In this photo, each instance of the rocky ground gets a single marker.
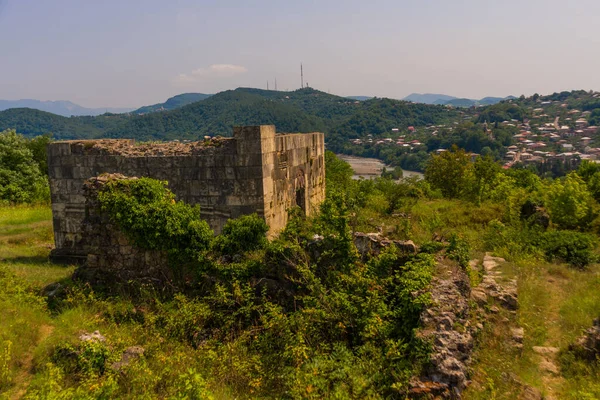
(453, 322)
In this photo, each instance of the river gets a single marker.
(370, 168)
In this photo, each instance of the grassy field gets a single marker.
(25, 242)
(31, 330)
(556, 303)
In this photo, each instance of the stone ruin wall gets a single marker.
(256, 171)
(111, 257)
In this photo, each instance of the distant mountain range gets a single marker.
(69, 109)
(60, 107)
(443, 99)
(174, 102)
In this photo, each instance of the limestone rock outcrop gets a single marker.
(446, 324)
(371, 244)
(588, 345)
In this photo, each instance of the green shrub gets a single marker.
(411, 296)
(513, 241)
(183, 318)
(459, 250)
(86, 358)
(147, 212)
(192, 386)
(431, 247)
(21, 180)
(570, 203)
(575, 248)
(242, 234)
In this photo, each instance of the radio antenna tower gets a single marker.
(275, 84)
(301, 77)
(267, 85)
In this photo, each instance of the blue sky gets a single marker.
(128, 53)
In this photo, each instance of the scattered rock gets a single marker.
(588, 345)
(505, 294)
(549, 366)
(130, 354)
(131, 149)
(446, 325)
(530, 393)
(517, 334)
(429, 389)
(54, 291)
(479, 296)
(96, 336)
(546, 351)
(508, 299)
(372, 244)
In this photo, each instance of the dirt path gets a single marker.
(23, 378)
(546, 355)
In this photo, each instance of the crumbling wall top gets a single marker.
(128, 148)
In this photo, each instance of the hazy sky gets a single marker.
(128, 53)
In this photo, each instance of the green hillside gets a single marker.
(173, 102)
(303, 110)
(31, 122)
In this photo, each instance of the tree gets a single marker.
(487, 151)
(449, 171)
(485, 171)
(38, 145)
(569, 202)
(594, 119)
(338, 173)
(21, 180)
(587, 169)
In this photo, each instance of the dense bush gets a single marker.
(147, 212)
(459, 250)
(569, 202)
(292, 305)
(21, 179)
(86, 358)
(575, 248)
(243, 234)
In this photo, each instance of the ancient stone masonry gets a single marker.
(111, 256)
(255, 171)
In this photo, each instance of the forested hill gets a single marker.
(31, 122)
(303, 110)
(173, 102)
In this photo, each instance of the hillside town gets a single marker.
(553, 132)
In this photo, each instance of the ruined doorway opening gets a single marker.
(301, 200)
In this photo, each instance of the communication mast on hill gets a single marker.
(301, 77)
(275, 84)
(267, 85)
